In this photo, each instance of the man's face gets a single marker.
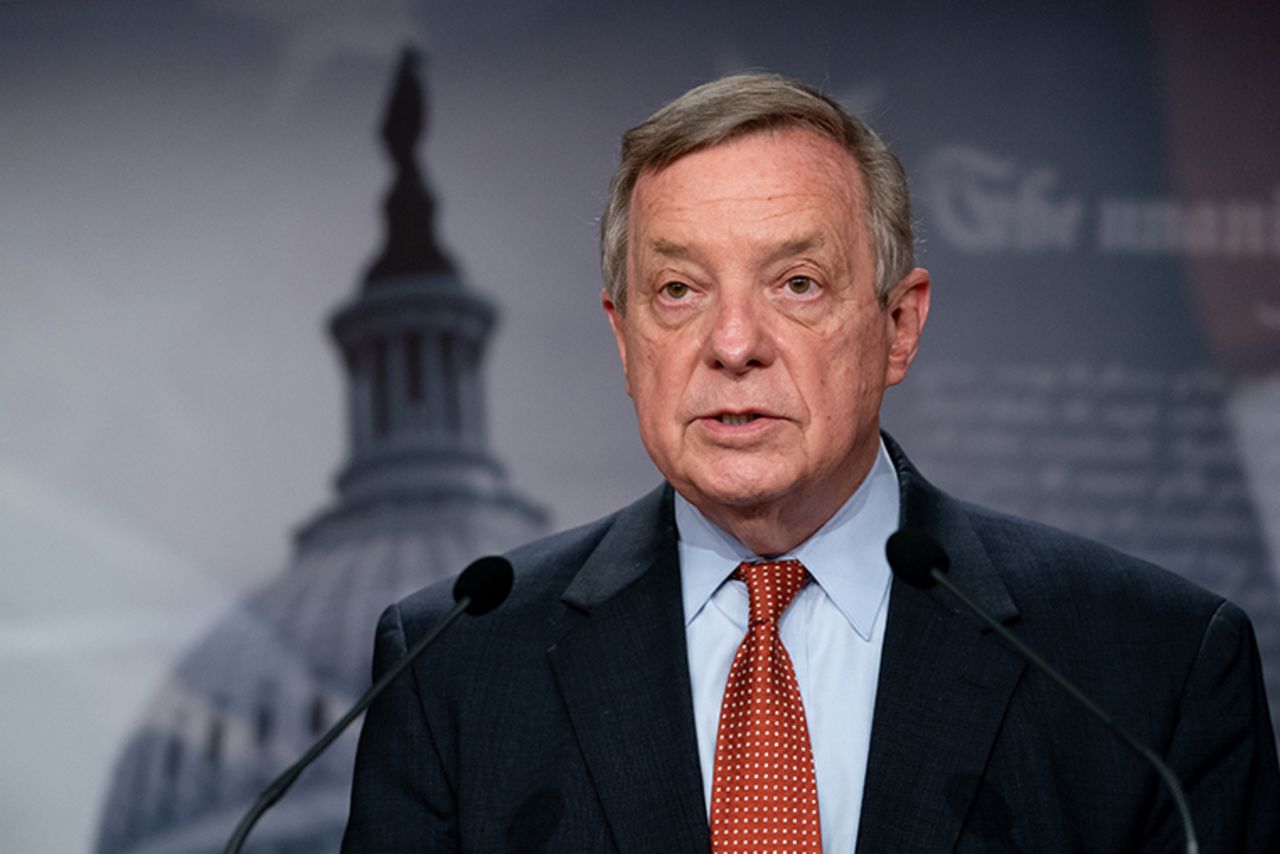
(755, 350)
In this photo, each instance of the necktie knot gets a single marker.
(771, 585)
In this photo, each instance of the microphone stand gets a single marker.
(1179, 797)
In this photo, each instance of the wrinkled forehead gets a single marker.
(769, 184)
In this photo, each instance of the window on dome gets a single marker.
(172, 758)
(213, 743)
(381, 398)
(413, 365)
(452, 404)
(318, 714)
(265, 724)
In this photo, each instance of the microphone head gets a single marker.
(912, 554)
(487, 581)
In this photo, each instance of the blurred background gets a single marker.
(240, 411)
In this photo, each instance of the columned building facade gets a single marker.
(419, 496)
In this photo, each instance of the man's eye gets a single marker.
(675, 290)
(800, 285)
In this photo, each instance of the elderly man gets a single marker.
(727, 664)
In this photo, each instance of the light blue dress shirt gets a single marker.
(833, 631)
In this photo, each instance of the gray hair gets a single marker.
(733, 107)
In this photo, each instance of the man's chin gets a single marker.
(744, 497)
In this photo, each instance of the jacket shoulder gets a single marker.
(544, 568)
(1046, 571)
(1040, 562)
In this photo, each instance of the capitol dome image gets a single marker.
(419, 497)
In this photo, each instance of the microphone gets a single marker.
(480, 588)
(484, 585)
(921, 562)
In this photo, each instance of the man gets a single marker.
(726, 664)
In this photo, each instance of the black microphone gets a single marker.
(480, 588)
(920, 561)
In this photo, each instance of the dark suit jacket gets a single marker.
(562, 722)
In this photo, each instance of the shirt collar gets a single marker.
(845, 556)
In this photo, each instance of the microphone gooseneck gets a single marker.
(921, 562)
(480, 588)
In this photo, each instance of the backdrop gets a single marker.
(188, 189)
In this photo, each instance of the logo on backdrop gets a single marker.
(984, 202)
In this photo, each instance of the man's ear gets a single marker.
(906, 312)
(617, 322)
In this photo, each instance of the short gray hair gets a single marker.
(738, 105)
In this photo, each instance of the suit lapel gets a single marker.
(623, 673)
(943, 689)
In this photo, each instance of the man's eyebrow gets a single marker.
(796, 246)
(669, 249)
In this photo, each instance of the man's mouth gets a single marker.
(736, 420)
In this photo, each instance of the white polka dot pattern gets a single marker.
(764, 796)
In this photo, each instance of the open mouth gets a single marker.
(736, 420)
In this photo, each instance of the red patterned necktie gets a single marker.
(764, 796)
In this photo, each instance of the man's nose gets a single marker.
(740, 338)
